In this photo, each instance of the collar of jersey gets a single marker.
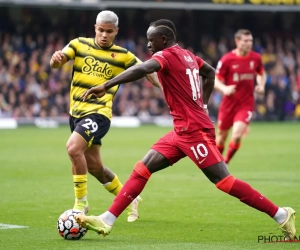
(103, 48)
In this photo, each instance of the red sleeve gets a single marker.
(222, 69)
(260, 67)
(199, 61)
(161, 59)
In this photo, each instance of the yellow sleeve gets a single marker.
(130, 60)
(70, 49)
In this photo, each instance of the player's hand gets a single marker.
(259, 89)
(58, 56)
(206, 111)
(229, 90)
(97, 92)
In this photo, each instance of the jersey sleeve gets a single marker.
(260, 67)
(199, 61)
(161, 59)
(70, 49)
(131, 60)
(222, 69)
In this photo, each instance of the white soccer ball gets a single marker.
(67, 226)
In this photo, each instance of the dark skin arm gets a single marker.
(132, 74)
(208, 74)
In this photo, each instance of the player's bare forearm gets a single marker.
(153, 78)
(134, 73)
(261, 79)
(219, 85)
(208, 74)
(208, 86)
(58, 59)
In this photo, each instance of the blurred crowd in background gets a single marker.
(29, 37)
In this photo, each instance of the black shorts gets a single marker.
(92, 127)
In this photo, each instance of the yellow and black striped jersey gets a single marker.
(94, 66)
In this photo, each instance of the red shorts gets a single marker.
(226, 119)
(199, 146)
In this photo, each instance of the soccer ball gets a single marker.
(67, 226)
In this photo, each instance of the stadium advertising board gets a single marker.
(250, 2)
(217, 5)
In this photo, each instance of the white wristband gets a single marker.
(205, 106)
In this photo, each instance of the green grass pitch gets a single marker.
(181, 208)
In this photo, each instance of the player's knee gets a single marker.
(73, 150)
(226, 183)
(142, 169)
(236, 137)
(221, 137)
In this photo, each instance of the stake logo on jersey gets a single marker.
(93, 66)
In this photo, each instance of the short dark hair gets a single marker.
(241, 32)
(166, 27)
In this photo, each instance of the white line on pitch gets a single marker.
(10, 226)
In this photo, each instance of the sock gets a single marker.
(108, 218)
(280, 216)
(247, 195)
(114, 186)
(80, 187)
(233, 147)
(131, 189)
(221, 148)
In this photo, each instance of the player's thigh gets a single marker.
(92, 128)
(76, 143)
(243, 115)
(200, 147)
(241, 121)
(225, 120)
(167, 147)
(155, 161)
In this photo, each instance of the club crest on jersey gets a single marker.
(251, 65)
(113, 55)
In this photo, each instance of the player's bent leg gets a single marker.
(76, 146)
(285, 217)
(221, 139)
(103, 223)
(108, 179)
(238, 130)
(152, 162)
(131, 189)
(95, 166)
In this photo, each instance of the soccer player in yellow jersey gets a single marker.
(96, 60)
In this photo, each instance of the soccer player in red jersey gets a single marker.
(235, 78)
(193, 135)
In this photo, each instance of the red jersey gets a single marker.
(179, 77)
(240, 71)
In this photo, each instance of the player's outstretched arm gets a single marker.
(153, 78)
(132, 74)
(58, 59)
(208, 74)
